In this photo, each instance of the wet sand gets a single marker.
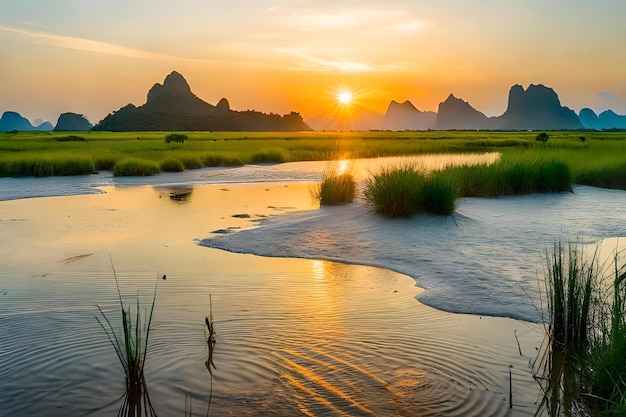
(294, 336)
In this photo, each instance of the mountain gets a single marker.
(456, 114)
(11, 120)
(405, 116)
(72, 122)
(536, 108)
(606, 120)
(173, 106)
(44, 126)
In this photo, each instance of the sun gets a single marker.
(344, 97)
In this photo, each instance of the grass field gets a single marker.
(593, 158)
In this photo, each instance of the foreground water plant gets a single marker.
(336, 187)
(581, 364)
(131, 348)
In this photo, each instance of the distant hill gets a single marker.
(456, 114)
(536, 108)
(606, 120)
(72, 122)
(44, 126)
(172, 106)
(11, 120)
(405, 116)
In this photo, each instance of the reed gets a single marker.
(571, 281)
(438, 195)
(171, 165)
(335, 188)
(395, 192)
(135, 167)
(269, 156)
(605, 376)
(513, 174)
(131, 348)
(46, 166)
(582, 362)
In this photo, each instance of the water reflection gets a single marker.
(178, 194)
(295, 335)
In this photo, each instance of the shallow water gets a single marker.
(294, 336)
(487, 258)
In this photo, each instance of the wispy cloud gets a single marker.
(87, 45)
(608, 95)
(371, 19)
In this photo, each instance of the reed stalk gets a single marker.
(131, 348)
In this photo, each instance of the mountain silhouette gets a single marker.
(11, 120)
(72, 122)
(405, 116)
(172, 106)
(536, 108)
(606, 120)
(456, 114)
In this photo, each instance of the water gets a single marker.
(486, 259)
(294, 336)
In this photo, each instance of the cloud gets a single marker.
(87, 45)
(607, 95)
(371, 19)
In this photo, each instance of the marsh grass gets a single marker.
(571, 281)
(54, 165)
(395, 191)
(135, 167)
(336, 187)
(274, 155)
(604, 175)
(171, 165)
(406, 190)
(438, 195)
(581, 364)
(598, 161)
(512, 175)
(131, 348)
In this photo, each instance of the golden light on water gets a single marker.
(342, 166)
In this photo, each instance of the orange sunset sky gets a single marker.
(93, 57)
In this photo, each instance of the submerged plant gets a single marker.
(131, 348)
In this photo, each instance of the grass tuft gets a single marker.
(335, 188)
(171, 165)
(135, 167)
(395, 192)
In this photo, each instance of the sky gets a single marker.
(94, 57)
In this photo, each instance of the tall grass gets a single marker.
(335, 188)
(395, 192)
(582, 362)
(171, 165)
(512, 175)
(406, 190)
(439, 195)
(269, 156)
(131, 348)
(41, 166)
(135, 167)
(571, 280)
